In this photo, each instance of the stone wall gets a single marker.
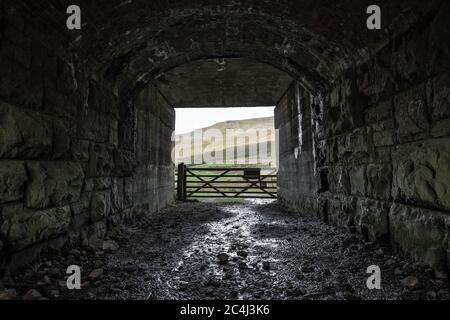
(69, 166)
(382, 145)
(297, 187)
(154, 173)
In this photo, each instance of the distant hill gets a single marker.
(249, 134)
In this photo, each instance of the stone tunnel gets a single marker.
(86, 116)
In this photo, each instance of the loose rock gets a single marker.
(223, 258)
(411, 282)
(242, 254)
(32, 294)
(110, 245)
(307, 269)
(96, 273)
(9, 294)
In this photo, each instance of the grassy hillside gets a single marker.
(249, 134)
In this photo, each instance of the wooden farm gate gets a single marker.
(224, 182)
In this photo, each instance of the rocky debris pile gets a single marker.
(46, 278)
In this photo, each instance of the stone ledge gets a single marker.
(12, 181)
(420, 233)
(29, 227)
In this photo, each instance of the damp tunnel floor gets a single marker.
(246, 250)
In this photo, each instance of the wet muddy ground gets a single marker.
(247, 250)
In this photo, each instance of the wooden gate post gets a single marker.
(181, 182)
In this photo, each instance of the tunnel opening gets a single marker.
(220, 82)
(226, 153)
(87, 117)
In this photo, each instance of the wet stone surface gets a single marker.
(246, 250)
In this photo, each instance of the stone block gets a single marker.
(354, 147)
(441, 128)
(24, 134)
(80, 150)
(358, 180)
(101, 161)
(61, 140)
(123, 217)
(382, 154)
(53, 184)
(421, 173)
(117, 192)
(411, 114)
(128, 192)
(9, 210)
(167, 113)
(438, 97)
(100, 205)
(347, 106)
(94, 234)
(30, 227)
(12, 181)
(371, 219)
(341, 211)
(66, 81)
(16, 77)
(79, 222)
(383, 111)
(374, 79)
(420, 233)
(384, 138)
(95, 184)
(339, 181)
(114, 133)
(93, 127)
(405, 62)
(166, 177)
(61, 105)
(379, 179)
(124, 162)
(82, 206)
(166, 196)
(101, 98)
(334, 146)
(383, 125)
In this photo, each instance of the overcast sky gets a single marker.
(188, 119)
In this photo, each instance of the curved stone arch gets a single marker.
(185, 36)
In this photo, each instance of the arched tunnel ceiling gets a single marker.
(228, 82)
(132, 42)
